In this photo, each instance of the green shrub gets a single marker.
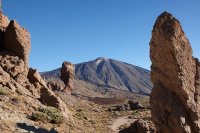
(49, 114)
(4, 91)
(39, 116)
(16, 100)
(135, 112)
(81, 115)
(92, 122)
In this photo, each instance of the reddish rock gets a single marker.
(140, 126)
(4, 77)
(55, 85)
(175, 75)
(12, 64)
(35, 77)
(47, 97)
(4, 21)
(17, 40)
(67, 76)
(15, 73)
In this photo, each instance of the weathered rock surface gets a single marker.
(55, 85)
(34, 77)
(67, 76)
(17, 40)
(15, 74)
(134, 105)
(4, 21)
(175, 75)
(139, 126)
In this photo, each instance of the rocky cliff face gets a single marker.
(15, 74)
(175, 75)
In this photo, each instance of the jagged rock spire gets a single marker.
(175, 73)
(67, 76)
(4, 21)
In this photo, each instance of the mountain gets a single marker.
(109, 73)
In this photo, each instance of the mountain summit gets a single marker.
(109, 73)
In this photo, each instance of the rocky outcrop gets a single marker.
(140, 126)
(134, 105)
(46, 95)
(175, 75)
(56, 85)
(4, 21)
(15, 74)
(17, 41)
(67, 76)
(34, 77)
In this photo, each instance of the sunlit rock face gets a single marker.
(15, 74)
(175, 75)
(67, 76)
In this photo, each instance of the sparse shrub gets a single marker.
(135, 112)
(139, 111)
(16, 99)
(92, 122)
(81, 115)
(4, 91)
(40, 116)
(49, 114)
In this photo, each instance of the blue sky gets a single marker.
(82, 30)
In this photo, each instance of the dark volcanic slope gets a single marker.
(112, 74)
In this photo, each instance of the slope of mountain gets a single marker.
(109, 73)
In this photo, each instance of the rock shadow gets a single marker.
(34, 129)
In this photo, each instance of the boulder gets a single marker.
(67, 76)
(134, 105)
(175, 74)
(140, 126)
(35, 77)
(47, 97)
(122, 107)
(55, 85)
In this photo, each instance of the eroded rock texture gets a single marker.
(140, 126)
(15, 74)
(17, 41)
(4, 21)
(67, 76)
(175, 75)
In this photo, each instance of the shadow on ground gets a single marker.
(34, 129)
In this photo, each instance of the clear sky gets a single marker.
(82, 30)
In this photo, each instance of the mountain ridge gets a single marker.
(110, 73)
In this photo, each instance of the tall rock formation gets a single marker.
(17, 40)
(67, 76)
(15, 74)
(175, 75)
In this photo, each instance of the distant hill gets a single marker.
(109, 73)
